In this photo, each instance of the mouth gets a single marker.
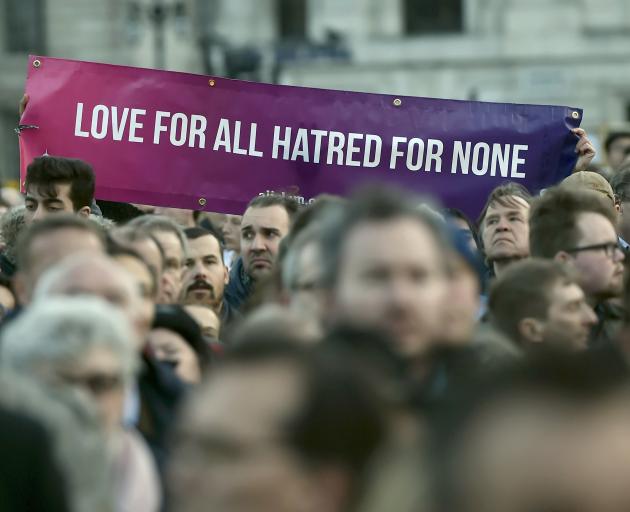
(260, 262)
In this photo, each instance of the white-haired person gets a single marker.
(87, 344)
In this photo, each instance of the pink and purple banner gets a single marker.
(196, 142)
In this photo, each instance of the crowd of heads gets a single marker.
(357, 354)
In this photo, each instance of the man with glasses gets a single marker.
(578, 227)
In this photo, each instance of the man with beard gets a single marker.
(265, 223)
(578, 227)
(206, 275)
(503, 226)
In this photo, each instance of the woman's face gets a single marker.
(169, 347)
(99, 373)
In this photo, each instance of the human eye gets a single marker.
(247, 234)
(31, 205)
(189, 263)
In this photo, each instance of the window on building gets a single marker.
(433, 16)
(291, 16)
(24, 26)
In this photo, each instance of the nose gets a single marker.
(502, 224)
(589, 316)
(199, 270)
(619, 254)
(258, 243)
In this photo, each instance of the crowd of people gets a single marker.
(364, 354)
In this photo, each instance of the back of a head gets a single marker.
(554, 216)
(523, 292)
(45, 172)
(373, 205)
(588, 180)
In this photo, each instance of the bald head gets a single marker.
(95, 275)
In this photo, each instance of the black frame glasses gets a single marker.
(609, 248)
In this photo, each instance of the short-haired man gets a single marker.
(54, 185)
(385, 268)
(292, 417)
(578, 227)
(617, 148)
(549, 434)
(47, 242)
(540, 301)
(171, 238)
(266, 221)
(206, 276)
(503, 226)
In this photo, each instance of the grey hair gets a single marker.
(78, 442)
(157, 223)
(62, 329)
(11, 226)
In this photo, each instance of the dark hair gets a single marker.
(576, 380)
(120, 213)
(554, 215)
(174, 317)
(115, 249)
(47, 226)
(620, 183)
(340, 420)
(614, 136)
(523, 291)
(287, 202)
(455, 213)
(372, 204)
(196, 232)
(45, 172)
(503, 195)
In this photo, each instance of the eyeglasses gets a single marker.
(609, 248)
(97, 384)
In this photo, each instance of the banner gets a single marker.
(196, 142)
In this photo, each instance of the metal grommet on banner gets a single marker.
(575, 114)
(37, 63)
(397, 102)
(211, 83)
(202, 201)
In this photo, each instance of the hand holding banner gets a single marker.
(189, 141)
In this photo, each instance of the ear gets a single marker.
(21, 288)
(85, 211)
(531, 330)
(562, 257)
(226, 275)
